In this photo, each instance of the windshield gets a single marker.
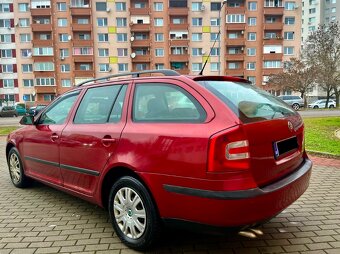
(248, 102)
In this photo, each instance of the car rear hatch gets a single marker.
(271, 134)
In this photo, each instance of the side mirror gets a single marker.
(27, 120)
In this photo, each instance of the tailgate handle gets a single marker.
(107, 141)
(54, 137)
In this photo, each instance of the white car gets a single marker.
(322, 104)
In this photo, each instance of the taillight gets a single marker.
(228, 151)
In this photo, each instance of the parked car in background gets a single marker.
(296, 102)
(33, 111)
(322, 104)
(20, 110)
(8, 111)
(210, 151)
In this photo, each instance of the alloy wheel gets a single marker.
(14, 167)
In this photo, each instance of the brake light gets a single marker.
(228, 151)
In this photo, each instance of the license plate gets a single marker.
(284, 146)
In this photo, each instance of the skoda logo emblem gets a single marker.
(290, 126)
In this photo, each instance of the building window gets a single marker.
(65, 83)
(103, 37)
(233, 65)
(64, 53)
(62, 22)
(104, 68)
(48, 97)
(4, 8)
(27, 82)
(122, 67)
(214, 21)
(288, 50)
(197, 51)
(273, 3)
(251, 36)
(252, 6)
(61, 6)
(7, 68)
(26, 52)
(159, 66)
(252, 79)
(24, 22)
(215, 6)
(121, 22)
(83, 21)
(289, 20)
(141, 67)
(214, 36)
(78, 51)
(101, 22)
(158, 6)
(159, 37)
(23, 7)
(122, 51)
(288, 35)
(159, 52)
(6, 53)
(25, 37)
(289, 6)
(236, 18)
(85, 67)
(120, 6)
(196, 36)
(158, 21)
(251, 51)
(65, 68)
(5, 23)
(197, 21)
(101, 6)
(44, 66)
(63, 37)
(197, 6)
(272, 64)
(27, 68)
(44, 82)
(5, 38)
(214, 66)
(251, 66)
(121, 37)
(8, 83)
(251, 21)
(102, 52)
(196, 66)
(45, 37)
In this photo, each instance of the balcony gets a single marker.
(82, 43)
(141, 59)
(273, 56)
(83, 58)
(38, 59)
(184, 26)
(273, 41)
(80, 11)
(44, 74)
(139, 11)
(179, 58)
(42, 43)
(235, 26)
(178, 11)
(235, 72)
(269, 71)
(184, 71)
(235, 42)
(140, 43)
(84, 73)
(236, 10)
(41, 27)
(179, 42)
(278, 11)
(234, 57)
(273, 26)
(139, 27)
(41, 11)
(81, 27)
(45, 89)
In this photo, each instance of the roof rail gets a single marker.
(166, 72)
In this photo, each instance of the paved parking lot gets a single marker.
(43, 220)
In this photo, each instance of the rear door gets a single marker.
(92, 136)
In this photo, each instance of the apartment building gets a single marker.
(59, 43)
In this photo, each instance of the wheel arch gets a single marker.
(9, 146)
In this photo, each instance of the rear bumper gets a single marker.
(229, 208)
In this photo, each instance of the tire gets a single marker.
(296, 106)
(136, 223)
(316, 107)
(16, 171)
(331, 106)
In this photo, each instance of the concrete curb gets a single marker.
(323, 154)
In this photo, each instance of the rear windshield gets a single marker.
(248, 102)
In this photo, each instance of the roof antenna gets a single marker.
(217, 38)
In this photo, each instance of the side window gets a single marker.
(165, 103)
(97, 105)
(59, 111)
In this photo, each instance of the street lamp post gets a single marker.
(219, 35)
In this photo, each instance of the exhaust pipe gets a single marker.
(250, 233)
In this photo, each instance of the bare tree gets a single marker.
(322, 51)
(297, 76)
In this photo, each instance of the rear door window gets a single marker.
(248, 102)
(158, 102)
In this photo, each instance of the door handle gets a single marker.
(54, 137)
(107, 141)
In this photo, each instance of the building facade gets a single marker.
(58, 43)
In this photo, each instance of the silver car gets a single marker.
(296, 102)
(322, 104)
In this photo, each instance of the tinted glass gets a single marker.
(165, 103)
(97, 104)
(249, 103)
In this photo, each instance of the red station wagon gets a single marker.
(202, 150)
